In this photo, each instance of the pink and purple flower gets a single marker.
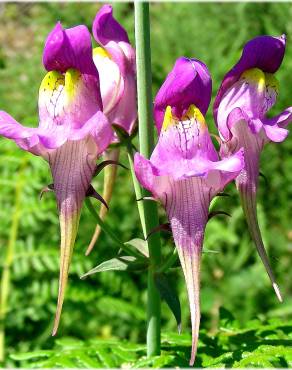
(184, 172)
(72, 132)
(246, 94)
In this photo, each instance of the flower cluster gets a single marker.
(84, 92)
(88, 90)
(184, 171)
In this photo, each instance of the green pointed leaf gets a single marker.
(140, 244)
(168, 293)
(123, 263)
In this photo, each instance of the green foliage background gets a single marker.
(110, 307)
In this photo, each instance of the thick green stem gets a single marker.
(8, 261)
(146, 139)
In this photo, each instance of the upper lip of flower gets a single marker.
(263, 52)
(189, 82)
(115, 62)
(250, 89)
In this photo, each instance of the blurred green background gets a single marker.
(113, 304)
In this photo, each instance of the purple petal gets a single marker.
(263, 52)
(188, 83)
(145, 173)
(185, 150)
(98, 128)
(124, 113)
(187, 209)
(105, 28)
(274, 127)
(118, 84)
(69, 108)
(11, 129)
(276, 133)
(26, 138)
(229, 169)
(69, 48)
(247, 183)
(247, 99)
(72, 166)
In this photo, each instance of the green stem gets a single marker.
(137, 188)
(107, 229)
(9, 257)
(146, 139)
(169, 262)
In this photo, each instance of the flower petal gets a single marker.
(185, 149)
(188, 83)
(105, 28)
(69, 48)
(26, 138)
(118, 86)
(111, 80)
(247, 99)
(276, 133)
(98, 128)
(125, 112)
(263, 52)
(248, 200)
(274, 127)
(187, 209)
(68, 100)
(72, 166)
(247, 183)
(145, 172)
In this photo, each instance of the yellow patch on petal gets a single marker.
(57, 90)
(194, 113)
(272, 82)
(72, 77)
(52, 81)
(256, 76)
(100, 52)
(168, 118)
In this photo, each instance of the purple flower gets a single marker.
(246, 94)
(115, 61)
(72, 131)
(184, 171)
(188, 83)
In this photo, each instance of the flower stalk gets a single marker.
(6, 272)
(146, 140)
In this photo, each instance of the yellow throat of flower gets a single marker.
(193, 114)
(101, 52)
(261, 79)
(55, 81)
(58, 91)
